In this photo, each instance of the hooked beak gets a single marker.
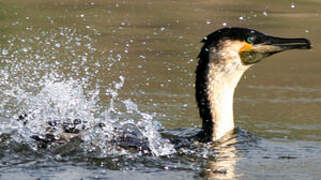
(287, 43)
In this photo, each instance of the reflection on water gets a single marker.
(222, 166)
(130, 65)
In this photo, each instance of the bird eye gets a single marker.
(250, 40)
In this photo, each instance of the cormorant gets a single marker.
(226, 54)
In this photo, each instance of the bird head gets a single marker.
(248, 45)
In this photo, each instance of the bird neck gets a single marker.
(216, 81)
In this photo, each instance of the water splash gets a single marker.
(149, 129)
(63, 102)
(59, 102)
(57, 84)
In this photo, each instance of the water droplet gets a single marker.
(4, 52)
(24, 49)
(265, 13)
(292, 5)
(142, 56)
(15, 23)
(190, 61)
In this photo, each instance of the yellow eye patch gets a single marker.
(246, 47)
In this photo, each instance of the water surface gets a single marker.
(133, 62)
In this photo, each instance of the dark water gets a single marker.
(130, 64)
